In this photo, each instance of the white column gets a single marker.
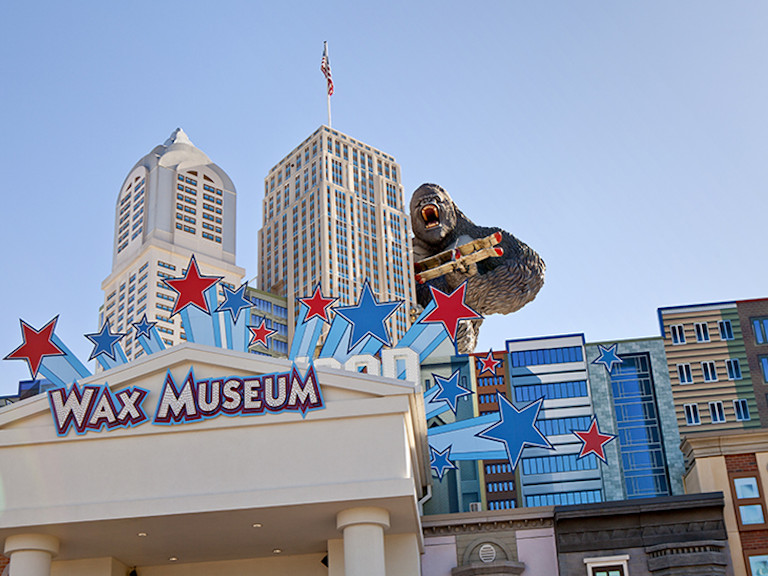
(31, 554)
(363, 530)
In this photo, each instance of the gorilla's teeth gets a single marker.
(431, 215)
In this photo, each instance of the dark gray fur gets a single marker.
(499, 285)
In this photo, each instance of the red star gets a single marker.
(489, 363)
(593, 441)
(191, 288)
(37, 344)
(318, 306)
(259, 334)
(449, 309)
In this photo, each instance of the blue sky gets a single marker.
(624, 141)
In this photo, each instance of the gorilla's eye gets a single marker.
(431, 216)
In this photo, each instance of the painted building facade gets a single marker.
(708, 367)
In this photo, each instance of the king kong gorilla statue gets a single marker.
(496, 285)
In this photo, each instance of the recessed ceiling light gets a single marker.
(257, 525)
(141, 534)
(173, 558)
(277, 551)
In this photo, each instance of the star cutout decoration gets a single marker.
(449, 309)
(260, 333)
(191, 288)
(104, 341)
(608, 356)
(318, 306)
(36, 345)
(143, 327)
(441, 461)
(489, 364)
(367, 317)
(234, 301)
(516, 429)
(450, 390)
(594, 441)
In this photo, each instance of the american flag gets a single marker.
(325, 68)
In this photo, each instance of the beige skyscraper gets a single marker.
(174, 203)
(334, 215)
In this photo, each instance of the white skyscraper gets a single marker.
(334, 215)
(174, 203)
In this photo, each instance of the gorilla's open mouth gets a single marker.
(431, 216)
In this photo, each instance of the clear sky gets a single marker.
(625, 141)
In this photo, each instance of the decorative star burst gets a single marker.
(594, 441)
(489, 364)
(104, 341)
(449, 309)
(441, 461)
(608, 356)
(317, 305)
(143, 327)
(450, 390)
(234, 301)
(367, 317)
(191, 288)
(36, 345)
(516, 429)
(260, 333)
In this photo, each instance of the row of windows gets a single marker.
(498, 468)
(562, 463)
(554, 426)
(573, 389)
(505, 486)
(501, 504)
(716, 412)
(709, 371)
(547, 356)
(564, 498)
(701, 330)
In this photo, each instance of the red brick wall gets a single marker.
(4, 562)
(741, 463)
(754, 539)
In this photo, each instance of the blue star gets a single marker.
(450, 390)
(143, 327)
(104, 341)
(235, 301)
(517, 429)
(608, 356)
(441, 461)
(368, 317)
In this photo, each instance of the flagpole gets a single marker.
(328, 92)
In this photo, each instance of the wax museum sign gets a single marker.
(92, 408)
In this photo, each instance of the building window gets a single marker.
(734, 368)
(760, 328)
(726, 330)
(758, 564)
(678, 334)
(691, 415)
(702, 332)
(684, 373)
(716, 412)
(748, 500)
(763, 360)
(741, 408)
(607, 565)
(709, 371)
